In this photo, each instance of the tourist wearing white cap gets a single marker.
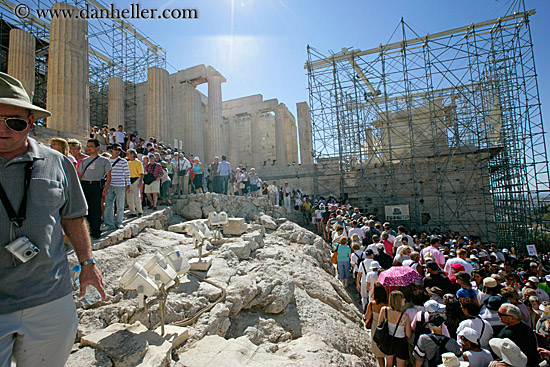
(372, 277)
(472, 351)
(508, 353)
(431, 307)
(541, 294)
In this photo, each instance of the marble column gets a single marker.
(68, 81)
(256, 140)
(158, 104)
(193, 136)
(280, 142)
(215, 140)
(115, 102)
(234, 147)
(304, 131)
(21, 58)
(293, 139)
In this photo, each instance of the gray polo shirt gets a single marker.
(96, 170)
(54, 194)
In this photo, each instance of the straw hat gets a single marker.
(12, 93)
(451, 360)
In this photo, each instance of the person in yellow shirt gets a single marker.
(136, 184)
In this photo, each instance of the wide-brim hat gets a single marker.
(12, 93)
(451, 360)
(508, 351)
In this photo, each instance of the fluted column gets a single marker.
(158, 103)
(216, 140)
(280, 143)
(304, 130)
(68, 80)
(115, 103)
(256, 140)
(21, 57)
(234, 147)
(193, 137)
(293, 139)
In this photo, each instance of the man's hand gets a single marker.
(77, 232)
(90, 275)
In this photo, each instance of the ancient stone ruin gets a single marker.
(269, 296)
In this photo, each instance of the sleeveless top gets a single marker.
(197, 169)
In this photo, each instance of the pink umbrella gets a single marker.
(399, 276)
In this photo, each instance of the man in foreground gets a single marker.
(40, 197)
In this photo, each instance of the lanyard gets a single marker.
(17, 219)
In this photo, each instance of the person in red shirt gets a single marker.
(388, 246)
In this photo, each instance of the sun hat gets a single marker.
(469, 334)
(483, 254)
(533, 279)
(547, 278)
(433, 306)
(451, 360)
(12, 93)
(489, 282)
(508, 351)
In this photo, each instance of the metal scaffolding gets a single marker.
(449, 124)
(116, 48)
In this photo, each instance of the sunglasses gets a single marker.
(502, 314)
(15, 124)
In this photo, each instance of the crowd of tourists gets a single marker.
(440, 299)
(119, 170)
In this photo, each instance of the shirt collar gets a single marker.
(34, 152)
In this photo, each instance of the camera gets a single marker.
(23, 249)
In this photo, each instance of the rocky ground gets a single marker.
(282, 305)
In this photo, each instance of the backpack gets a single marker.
(421, 328)
(359, 261)
(440, 343)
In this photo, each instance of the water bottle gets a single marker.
(92, 295)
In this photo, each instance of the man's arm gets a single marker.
(107, 182)
(77, 232)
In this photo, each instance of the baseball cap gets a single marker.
(458, 267)
(469, 334)
(374, 265)
(369, 252)
(533, 279)
(151, 155)
(547, 278)
(433, 306)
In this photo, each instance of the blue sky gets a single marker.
(260, 45)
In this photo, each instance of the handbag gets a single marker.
(368, 324)
(148, 178)
(382, 336)
(334, 257)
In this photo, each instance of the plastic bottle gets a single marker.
(92, 295)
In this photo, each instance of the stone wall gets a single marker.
(198, 206)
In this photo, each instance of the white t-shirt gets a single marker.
(479, 359)
(477, 324)
(119, 137)
(372, 277)
(357, 231)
